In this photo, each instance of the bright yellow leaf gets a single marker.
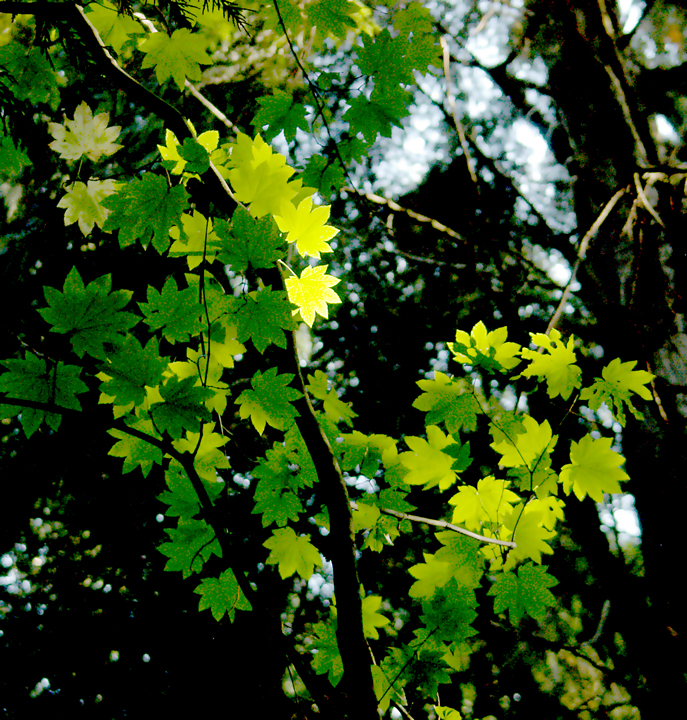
(306, 227)
(311, 293)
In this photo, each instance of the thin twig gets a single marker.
(452, 104)
(589, 236)
(441, 524)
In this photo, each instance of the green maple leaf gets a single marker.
(179, 56)
(126, 374)
(279, 112)
(335, 408)
(527, 593)
(372, 618)
(555, 366)
(34, 379)
(90, 315)
(183, 407)
(249, 241)
(462, 553)
(262, 317)
(324, 174)
(594, 469)
(114, 29)
(332, 17)
(222, 595)
(269, 400)
(450, 612)
(192, 544)
(136, 451)
(177, 311)
(181, 497)
(145, 209)
(276, 501)
(372, 118)
(12, 158)
(616, 386)
(384, 58)
(196, 156)
(326, 658)
(449, 401)
(33, 78)
(292, 553)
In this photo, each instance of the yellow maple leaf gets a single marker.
(82, 204)
(311, 292)
(306, 227)
(84, 135)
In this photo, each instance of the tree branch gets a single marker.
(441, 524)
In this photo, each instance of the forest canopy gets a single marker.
(343, 364)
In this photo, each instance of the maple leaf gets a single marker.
(177, 311)
(448, 400)
(527, 446)
(335, 408)
(33, 379)
(170, 150)
(444, 712)
(192, 544)
(280, 113)
(427, 463)
(332, 18)
(372, 618)
(114, 29)
(556, 365)
(181, 497)
(90, 315)
(488, 350)
(292, 553)
(306, 227)
(249, 241)
(183, 407)
(222, 595)
(262, 317)
(594, 469)
(326, 657)
(178, 56)
(195, 239)
(486, 503)
(269, 400)
(136, 451)
(528, 592)
(324, 174)
(531, 535)
(127, 372)
(144, 208)
(207, 457)
(260, 176)
(84, 135)
(617, 383)
(82, 204)
(431, 574)
(311, 293)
